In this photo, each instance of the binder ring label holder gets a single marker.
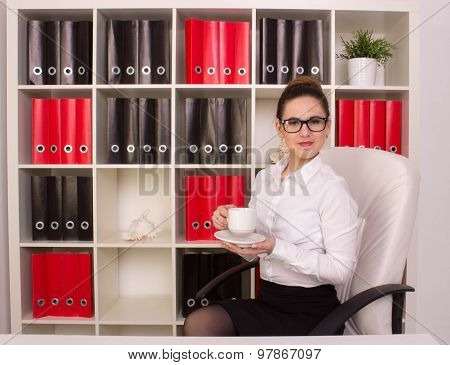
(242, 71)
(51, 71)
(81, 70)
(69, 302)
(211, 70)
(207, 224)
(223, 148)
(115, 70)
(195, 225)
(54, 225)
(198, 70)
(393, 149)
(190, 302)
(208, 148)
(193, 148)
(84, 225)
(115, 148)
(284, 69)
(37, 71)
(40, 148)
(41, 302)
(204, 302)
(147, 148)
(39, 225)
(146, 70)
(270, 68)
(55, 301)
(67, 148)
(130, 70)
(300, 70)
(161, 70)
(238, 148)
(162, 148)
(227, 71)
(53, 148)
(315, 70)
(67, 71)
(130, 148)
(83, 302)
(83, 148)
(70, 225)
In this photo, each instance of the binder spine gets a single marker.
(160, 52)
(147, 142)
(145, 52)
(268, 50)
(193, 115)
(70, 208)
(52, 49)
(39, 208)
(131, 53)
(163, 130)
(36, 52)
(131, 131)
(115, 130)
(40, 131)
(68, 131)
(84, 191)
(54, 200)
(115, 51)
(84, 52)
(68, 52)
(84, 131)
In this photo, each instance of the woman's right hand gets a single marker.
(220, 215)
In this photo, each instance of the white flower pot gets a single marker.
(362, 71)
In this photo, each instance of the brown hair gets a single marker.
(302, 86)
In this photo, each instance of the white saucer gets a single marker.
(239, 240)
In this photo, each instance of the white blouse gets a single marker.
(314, 221)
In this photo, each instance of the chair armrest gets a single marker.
(225, 275)
(334, 321)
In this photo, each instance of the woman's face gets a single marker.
(303, 107)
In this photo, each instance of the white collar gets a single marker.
(303, 175)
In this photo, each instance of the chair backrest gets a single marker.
(386, 187)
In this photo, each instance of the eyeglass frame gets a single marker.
(283, 121)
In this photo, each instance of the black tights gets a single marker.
(212, 320)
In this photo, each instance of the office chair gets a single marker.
(386, 187)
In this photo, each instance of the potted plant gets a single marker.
(364, 54)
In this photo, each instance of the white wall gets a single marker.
(433, 277)
(4, 276)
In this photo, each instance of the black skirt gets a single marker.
(281, 310)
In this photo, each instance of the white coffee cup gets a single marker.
(241, 220)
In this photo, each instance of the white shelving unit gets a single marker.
(136, 288)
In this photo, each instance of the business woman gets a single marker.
(309, 220)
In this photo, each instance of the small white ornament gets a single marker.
(141, 228)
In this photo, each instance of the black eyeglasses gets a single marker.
(294, 125)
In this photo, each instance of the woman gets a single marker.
(309, 220)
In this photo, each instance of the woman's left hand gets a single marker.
(265, 246)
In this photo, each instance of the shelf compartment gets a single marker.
(180, 202)
(103, 15)
(43, 15)
(324, 15)
(102, 116)
(116, 330)
(382, 94)
(198, 92)
(135, 286)
(394, 26)
(26, 287)
(245, 279)
(25, 117)
(124, 194)
(236, 15)
(25, 203)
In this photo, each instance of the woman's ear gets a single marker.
(278, 128)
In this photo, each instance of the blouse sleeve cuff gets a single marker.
(280, 250)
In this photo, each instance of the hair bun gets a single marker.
(305, 80)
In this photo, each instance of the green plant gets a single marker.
(363, 45)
